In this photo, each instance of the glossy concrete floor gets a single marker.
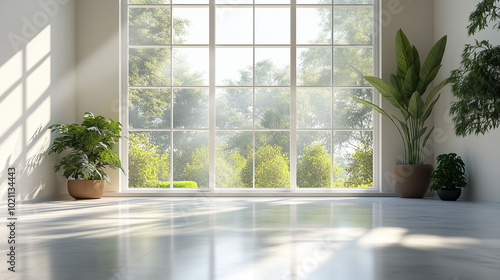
(256, 238)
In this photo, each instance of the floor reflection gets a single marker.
(257, 238)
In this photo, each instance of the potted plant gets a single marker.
(405, 92)
(449, 177)
(89, 148)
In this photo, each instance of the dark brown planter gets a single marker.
(411, 181)
(81, 189)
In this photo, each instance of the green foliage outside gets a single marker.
(360, 167)
(149, 162)
(148, 166)
(313, 168)
(197, 168)
(271, 168)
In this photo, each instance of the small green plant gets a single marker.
(405, 92)
(450, 172)
(89, 146)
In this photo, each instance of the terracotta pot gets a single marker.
(411, 181)
(86, 188)
(449, 194)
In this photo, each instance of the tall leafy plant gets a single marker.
(476, 84)
(89, 147)
(405, 92)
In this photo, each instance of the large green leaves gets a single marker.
(404, 54)
(90, 147)
(406, 92)
(416, 106)
(387, 90)
(432, 64)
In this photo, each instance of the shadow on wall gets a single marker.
(30, 85)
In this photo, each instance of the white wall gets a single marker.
(37, 89)
(481, 154)
(98, 63)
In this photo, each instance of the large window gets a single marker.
(249, 94)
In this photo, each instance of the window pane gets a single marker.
(149, 159)
(190, 108)
(190, 66)
(149, 108)
(350, 114)
(272, 25)
(314, 160)
(314, 26)
(191, 26)
(149, 66)
(351, 65)
(234, 66)
(272, 66)
(272, 163)
(272, 108)
(191, 158)
(190, 1)
(234, 108)
(149, 26)
(314, 108)
(314, 1)
(234, 159)
(354, 156)
(353, 25)
(314, 66)
(149, 2)
(233, 1)
(352, 1)
(234, 26)
(272, 1)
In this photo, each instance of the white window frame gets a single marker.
(292, 190)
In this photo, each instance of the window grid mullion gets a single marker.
(332, 132)
(171, 97)
(212, 178)
(293, 96)
(253, 96)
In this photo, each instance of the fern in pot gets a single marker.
(407, 92)
(449, 177)
(88, 150)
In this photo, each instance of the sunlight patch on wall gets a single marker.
(37, 122)
(12, 106)
(12, 146)
(38, 48)
(37, 83)
(11, 72)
